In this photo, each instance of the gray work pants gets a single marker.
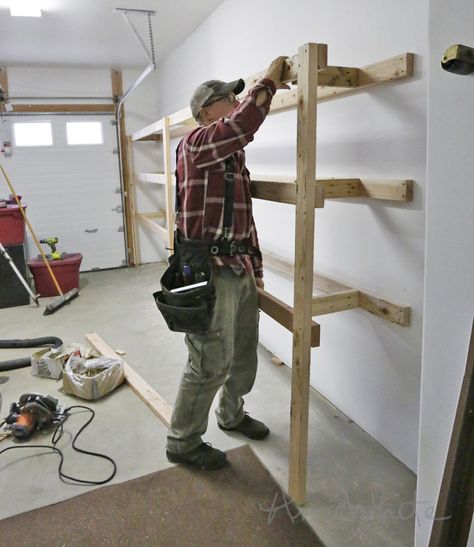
(225, 357)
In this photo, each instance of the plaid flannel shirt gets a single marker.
(200, 178)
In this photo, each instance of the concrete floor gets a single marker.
(358, 493)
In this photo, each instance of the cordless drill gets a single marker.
(51, 241)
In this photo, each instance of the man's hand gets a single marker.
(259, 282)
(275, 72)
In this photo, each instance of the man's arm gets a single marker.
(213, 143)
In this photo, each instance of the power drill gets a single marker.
(51, 241)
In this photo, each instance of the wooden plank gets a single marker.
(47, 108)
(308, 60)
(147, 394)
(155, 127)
(4, 81)
(393, 313)
(382, 72)
(154, 178)
(455, 506)
(395, 190)
(335, 302)
(169, 193)
(282, 192)
(152, 226)
(334, 76)
(283, 313)
(131, 195)
(125, 168)
(262, 187)
(161, 213)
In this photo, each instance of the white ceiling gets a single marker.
(86, 33)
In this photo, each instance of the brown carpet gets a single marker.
(178, 507)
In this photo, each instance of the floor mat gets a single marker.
(238, 505)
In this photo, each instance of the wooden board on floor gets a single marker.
(147, 394)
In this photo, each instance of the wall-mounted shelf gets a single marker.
(313, 82)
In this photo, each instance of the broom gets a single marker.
(64, 298)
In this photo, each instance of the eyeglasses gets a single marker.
(231, 98)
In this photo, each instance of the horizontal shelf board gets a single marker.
(333, 82)
(283, 314)
(149, 224)
(283, 189)
(155, 178)
(334, 296)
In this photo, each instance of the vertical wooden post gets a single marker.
(311, 57)
(169, 183)
(453, 517)
(117, 91)
(4, 81)
(135, 259)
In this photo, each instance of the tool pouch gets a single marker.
(190, 310)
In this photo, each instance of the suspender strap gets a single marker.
(229, 179)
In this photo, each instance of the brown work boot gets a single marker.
(203, 456)
(251, 428)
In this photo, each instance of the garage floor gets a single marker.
(358, 493)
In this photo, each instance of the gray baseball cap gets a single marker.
(213, 89)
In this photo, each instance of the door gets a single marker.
(66, 169)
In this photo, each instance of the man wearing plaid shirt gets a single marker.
(225, 356)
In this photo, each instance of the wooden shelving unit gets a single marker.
(314, 82)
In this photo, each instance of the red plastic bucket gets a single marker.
(12, 225)
(66, 271)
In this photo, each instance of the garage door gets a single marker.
(66, 169)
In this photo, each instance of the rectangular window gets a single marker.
(84, 133)
(33, 134)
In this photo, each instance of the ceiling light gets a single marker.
(25, 8)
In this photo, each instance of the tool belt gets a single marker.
(187, 296)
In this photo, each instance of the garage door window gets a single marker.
(84, 133)
(33, 134)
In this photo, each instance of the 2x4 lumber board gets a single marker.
(283, 313)
(382, 72)
(168, 185)
(82, 108)
(331, 303)
(125, 168)
(334, 76)
(309, 56)
(4, 81)
(132, 199)
(149, 130)
(154, 178)
(147, 394)
(284, 191)
(152, 226)
(394, 313)
(453, 516)
(161, 213)
(391, 190)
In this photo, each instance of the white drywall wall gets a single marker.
(140, 109)
(449, 284)
(367, 367)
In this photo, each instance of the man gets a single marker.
(226, 355)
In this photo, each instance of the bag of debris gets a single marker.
(50, 362)
(92, 378)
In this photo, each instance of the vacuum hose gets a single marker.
(48, 341)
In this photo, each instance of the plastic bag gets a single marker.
(92, 378)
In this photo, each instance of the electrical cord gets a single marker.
(57, 434)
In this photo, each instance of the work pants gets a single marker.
(225, 357)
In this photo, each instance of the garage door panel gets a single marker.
(71, 192)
